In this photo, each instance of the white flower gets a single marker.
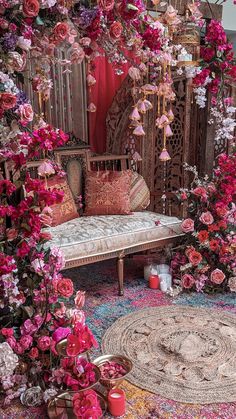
(24, 43)
(47, 3)
(8, 360)
(32, 397)
(49, 394)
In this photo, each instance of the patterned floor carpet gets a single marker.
(104, 306)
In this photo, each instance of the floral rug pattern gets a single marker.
(104, 306)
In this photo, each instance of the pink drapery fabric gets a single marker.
(102, 94)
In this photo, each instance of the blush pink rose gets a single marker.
(80, 299)
(187, 225)
(201, 192)
(44, 343)
(217, 276)
(26, 113)
(206, 218)
(187, 281)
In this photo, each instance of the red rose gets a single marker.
(106, 5)
(203, 236)
(65, 287)
(7, 332)
(195, 257)
(30, 8)
(33, 353)
(7, 101)
(217, 276)
(60, 31)
(187, 225)
(116, 29)
(187, 281)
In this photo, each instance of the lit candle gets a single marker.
(116, 402)
(154, 281)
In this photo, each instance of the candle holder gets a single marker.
(116, 402)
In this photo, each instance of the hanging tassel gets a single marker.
(170, 115)
(139, 131)
(164, 156)
(134, 116)
(163, 121)
(142, 107)
(91, 108)
(168, 131)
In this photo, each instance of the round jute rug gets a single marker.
(181, 353)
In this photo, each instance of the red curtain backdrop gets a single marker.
(102, 94)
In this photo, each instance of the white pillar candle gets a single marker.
(165, 282)
(163, 268)
(115, 395)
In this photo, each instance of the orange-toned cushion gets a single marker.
(107, 192)
(65, 210)
(139, 193)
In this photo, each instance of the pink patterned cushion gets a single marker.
(107, 192)
(139, 193)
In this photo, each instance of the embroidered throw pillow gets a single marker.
(107, 192)
(65, 210)
(139, 193)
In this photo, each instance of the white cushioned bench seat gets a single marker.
(99, 235)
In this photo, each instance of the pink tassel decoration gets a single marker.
(139, 131)
(170, 115)
(148, 105)
(168, 131)
(163, 121)
(142, 107)
(157, 122)
(164, 156)
(134, 116)
(91, 108)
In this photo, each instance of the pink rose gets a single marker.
(44, 343)
(206, 218)
(134, 73)
(201, 192)
(61, 333)
(77, 316)
(85, 41)
(16, 61)
(28, 328)
(106, 5)
(65, 287)
(26, 341)
(187, 281)
(80, 299)
(26, 113)
(187, 225)
(12, 342)
(217, 276)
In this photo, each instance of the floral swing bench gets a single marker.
(115, 222)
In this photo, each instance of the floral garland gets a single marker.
(208, 259)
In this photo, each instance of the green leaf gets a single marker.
(39, 21)
(132, 7)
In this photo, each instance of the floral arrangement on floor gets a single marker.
(207, 261)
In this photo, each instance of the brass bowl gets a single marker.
(61, 405)
(61, 350)
(119, 359)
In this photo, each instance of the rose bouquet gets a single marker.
(208, 259)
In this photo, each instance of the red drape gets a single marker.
(102, 94)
